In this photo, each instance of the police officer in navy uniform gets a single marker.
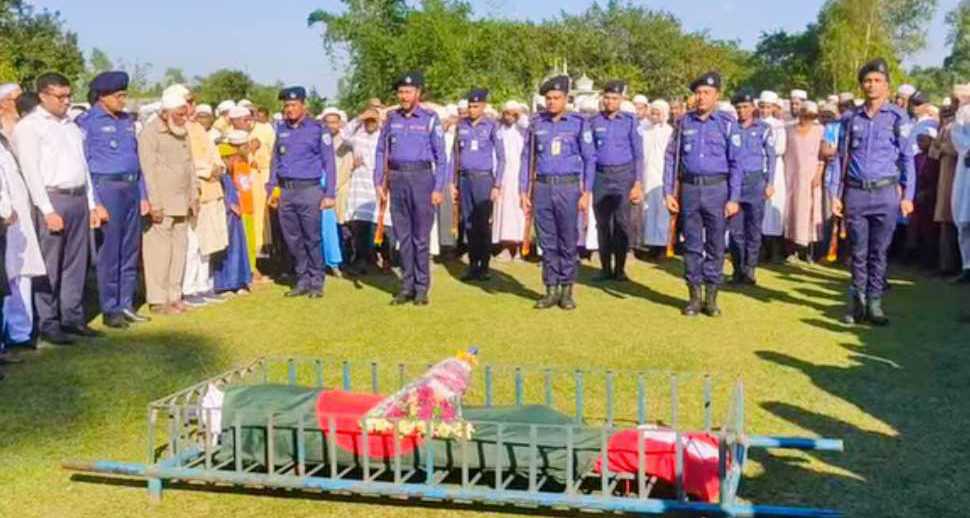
(111, 150)
(876, 186)
(756, 158)
(303, 154)
(702, 156)
(479, 161)
(619, 169)
(412, 148)
(564, 173)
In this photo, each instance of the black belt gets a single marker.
(704, 180)
(297, 183)
(748, 174)
(614, 169)
(411, 167)
(475, 173)
(72, 191)
(116, 177)
(556, 179)
(872, 185)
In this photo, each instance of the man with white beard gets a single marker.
(656, 218)
(773, 228)
(508, 220)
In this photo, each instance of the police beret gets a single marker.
(876, 65)
(615, 87)
(477, 95)
(414, 78)
(711, 78)
(744, 96)
(560, 83)
(107, 83)
(293, 93)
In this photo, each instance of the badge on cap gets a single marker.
(407, 80)
(710, 80)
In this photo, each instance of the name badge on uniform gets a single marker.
(556, 147)
(113, 143)
(474, 144)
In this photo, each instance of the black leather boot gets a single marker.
(710, 301)
(856, 311)
(551, 299)
(693, 307)
(875, 313)
(566, 298)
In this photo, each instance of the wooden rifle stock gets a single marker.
(382, 208)
(529, 217)
(838, 225)
(672, 227)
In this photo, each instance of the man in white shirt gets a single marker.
(50, 149)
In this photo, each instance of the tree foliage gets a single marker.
(958, 37)
(33, 42)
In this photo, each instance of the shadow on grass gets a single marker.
(628, 289)
(501, 282)
(56, 390)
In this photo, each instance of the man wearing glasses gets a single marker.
(51, 153)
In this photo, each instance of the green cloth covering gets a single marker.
(252, 405)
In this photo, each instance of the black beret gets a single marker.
(414, 78)
(560, 83)
(477, 95)
(615, 87)
(293, 93)
(744, 96)
(876, 65)
(711, 78)
(107, 83)
(918, 99)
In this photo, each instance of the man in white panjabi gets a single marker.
(508, 219)
(960, 201)
(774, 223)
(656, 217)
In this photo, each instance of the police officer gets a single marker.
(702, 156)
(111, 150)
(478, 161)
(411, 154)
(303, 154)
(756, 158)
(619, 169)
(564, 166)
(873, 188)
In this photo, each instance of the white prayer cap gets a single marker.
(176, 89)
(237, 137)
(277, 116)
(628, 107)
(238, 112)
(451, 110)
(661, 105)
(768, 97)
(906, 90)
(846, 97)
(510, 106)
(857, 102)
(225, 106)
(829, 107)
(8, 88)
(962, 92)
(832, 99)
(810, 107)
(203, 108)
(947, 101)
(931, 131)
(639, 99)
(330, 110)
(799, 94)
(246, 103)
(343, 115)
(462, 104)
(173, 101)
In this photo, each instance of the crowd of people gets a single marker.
(203, 202)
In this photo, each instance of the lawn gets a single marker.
(897, 395)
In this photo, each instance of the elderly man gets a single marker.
(302, 156)
(508, 220)
(262, 155)
(51, 153)
(173, 193)
(796, 99)
(361, 211)
(111, 148)
(9, 94)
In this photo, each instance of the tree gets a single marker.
(958, 37)
(223, 84)
(33, 42)
(784, 61)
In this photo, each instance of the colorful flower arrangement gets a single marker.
(434, 400)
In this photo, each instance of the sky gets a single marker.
(272, 42)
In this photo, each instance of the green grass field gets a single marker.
(898, 396)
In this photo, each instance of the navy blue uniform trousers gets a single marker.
(746, 225)
(117, 261)
(299, 216)
(702, 209)
(870, 217)
(556, 208)
(476, 216)
(412, 216)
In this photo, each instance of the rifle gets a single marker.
(529, 218)
(456, 171)
(838, 226)
(382, 208)
(672, 227)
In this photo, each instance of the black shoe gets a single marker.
(604, 275)
(315, 294)
(82, 330)
(421, 299)
(620, 276)
(26, 344)
(875, 314)
(748, 279)
(857, 311)
(710, 301)
(134, 318)
(402, 297)
(566, 298)
(550, 300)
(471, 274)
(737, 278)
(694, 306)
(56, 338)
(115, 321)
(297, 292)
